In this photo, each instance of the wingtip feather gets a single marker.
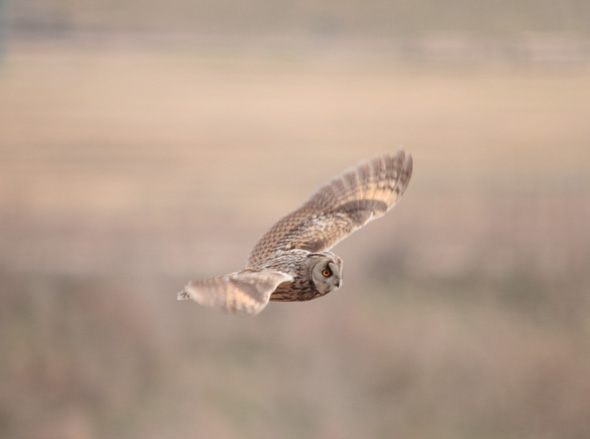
(183, 295)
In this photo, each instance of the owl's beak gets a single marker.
(338, 282)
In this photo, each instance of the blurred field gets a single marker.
(124, 172)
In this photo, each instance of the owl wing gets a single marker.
(338, 208)
(243, 292)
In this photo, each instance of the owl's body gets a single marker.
(307, 284)
(291, 261)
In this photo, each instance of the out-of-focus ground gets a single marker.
(127, 170)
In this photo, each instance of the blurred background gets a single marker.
(145, 143)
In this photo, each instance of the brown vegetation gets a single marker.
(464, 313)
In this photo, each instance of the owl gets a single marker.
(292, 261)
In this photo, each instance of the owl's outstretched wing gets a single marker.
(343, 205)
(243, 292)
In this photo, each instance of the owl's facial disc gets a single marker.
(326, 272)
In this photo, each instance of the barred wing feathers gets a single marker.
(243, 292)
(338, 208)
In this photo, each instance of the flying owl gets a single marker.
(292, 261)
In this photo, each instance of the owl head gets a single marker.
(326, 271)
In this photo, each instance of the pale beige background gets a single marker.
(132, 163)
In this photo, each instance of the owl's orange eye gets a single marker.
(327, 272)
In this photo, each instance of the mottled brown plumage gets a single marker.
(291, 261)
